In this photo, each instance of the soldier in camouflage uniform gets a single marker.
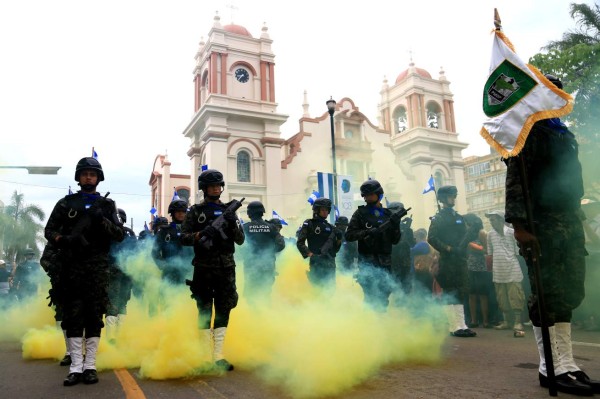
(448, 234)
(348, 250)
(83, 226)
(401, 260)
(320, 241)
(27, 276)
(550, 156)
(171, 257)
(120, 283)
(214, 266)
(376, 229)
(52, 265)
(263, 241)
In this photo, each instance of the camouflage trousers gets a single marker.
(119, 291)
(85, 296)
(562, 265)
(214, 286)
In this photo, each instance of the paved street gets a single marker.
(493, 365)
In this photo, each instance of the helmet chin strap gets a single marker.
(89, 188)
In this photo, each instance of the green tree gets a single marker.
(20, 227)
(575, 59)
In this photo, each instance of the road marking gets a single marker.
(206, 390)
(130, 387)
(586, 344)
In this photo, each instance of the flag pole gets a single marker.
(435, 196)
(535, 262)
(537, 278)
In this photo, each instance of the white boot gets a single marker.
(90, 376)
(564, 346)
(451, 316)
(206, 340)
(76, 347)
(91, 348)
(219, 335)
(459, 311)
(111, 327)
(558, 367)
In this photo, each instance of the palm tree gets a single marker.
(20, 227)
(575, 59)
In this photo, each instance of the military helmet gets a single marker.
(276, 222)
(342, 221)
(210, 176)
(122, 215)
(371, 187)
(321, 203)
(159, 222)
(556, 81)
(178, 205)
(89, 163)
(255, 208)
(395, 205)
(446, 191)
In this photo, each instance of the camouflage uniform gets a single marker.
(446, 235)
(556, 189)
(374, 253)
(83, 259)
(171, 257)
(120, 284)
(263, 241)
(318, 232)
(214, 268)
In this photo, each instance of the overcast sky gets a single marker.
(117, 75)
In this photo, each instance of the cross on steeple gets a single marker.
(232, 8)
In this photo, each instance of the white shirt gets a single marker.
(504, 251)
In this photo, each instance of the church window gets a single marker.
(243, 166)
(438, 178)
(400, 120)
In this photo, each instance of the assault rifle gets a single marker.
(386, 225)
(85, 222)
(220, 223)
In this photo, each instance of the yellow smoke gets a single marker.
(310, 343)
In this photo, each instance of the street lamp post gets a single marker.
(331, 109)
(36, 170)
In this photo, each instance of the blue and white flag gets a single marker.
(430, 186)
(94, 153)
(313, 197)
(146, 226)
(276, 216)
(153, 211)
(325, 183)
(175, 195)
(203, 168)
(70, 191)
(337, 212)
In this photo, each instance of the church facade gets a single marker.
(236, 129)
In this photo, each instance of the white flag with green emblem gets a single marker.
(516, 95)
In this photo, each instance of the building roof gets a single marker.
(412, 69)
(237, 29)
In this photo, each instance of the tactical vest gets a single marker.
(203, 215)
(383, 244)
(318, 232)
(260, 236)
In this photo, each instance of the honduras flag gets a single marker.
(276, 216)
(337, 212)
(153, 211)
(313, 197)
(94, 153)
(175, 195)
(430, 186)
(70, 191)
(203, 168)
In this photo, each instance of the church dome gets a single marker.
(237, 29)
(412, 68)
